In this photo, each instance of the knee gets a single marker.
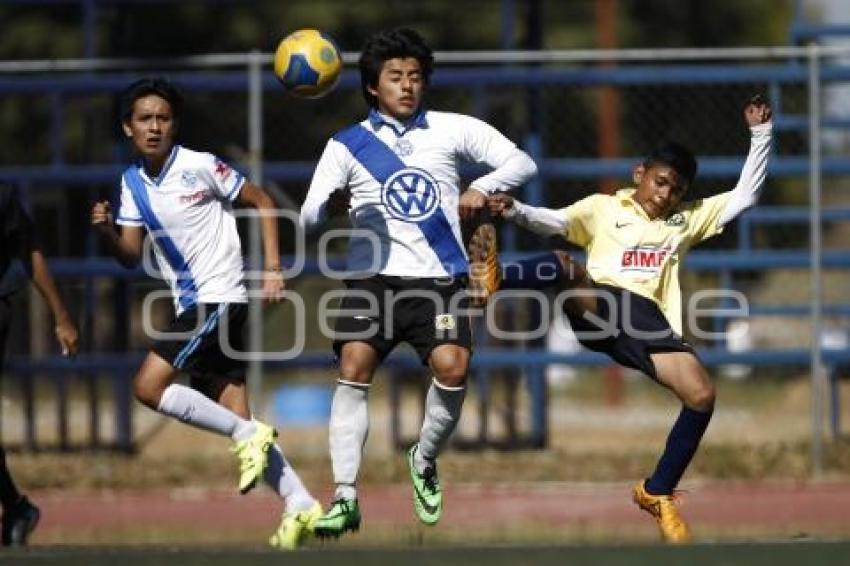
(452, 377)
(147, 393)
(353, 370)
(451, 370)
(701, 398)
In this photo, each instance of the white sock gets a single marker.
(442, 412)
(281, 477)
(348, 429)
(196, 409)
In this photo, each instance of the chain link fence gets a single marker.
(586, 117)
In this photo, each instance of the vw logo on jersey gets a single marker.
(411, 194)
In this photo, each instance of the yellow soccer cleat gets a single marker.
(664, 508)
(253, 454)
(294, 528)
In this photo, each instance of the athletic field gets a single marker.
(753, 554)
(771, 523)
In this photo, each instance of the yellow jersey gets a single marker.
(628, 250)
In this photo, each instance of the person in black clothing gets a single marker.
(17, 241)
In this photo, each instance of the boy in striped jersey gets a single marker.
(184, 200)
(396, 176)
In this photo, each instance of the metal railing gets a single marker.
(481, 74)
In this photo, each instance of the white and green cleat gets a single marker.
(344, 515)
(427, 494)
(253, 455)
(295, 527)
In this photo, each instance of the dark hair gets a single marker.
(674, 155)
(147, 86)
(385, 45)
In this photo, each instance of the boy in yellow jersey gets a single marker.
(627, 303)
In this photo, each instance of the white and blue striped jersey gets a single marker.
(404, 183)
(187, 211)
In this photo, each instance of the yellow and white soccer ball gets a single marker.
(308, 63)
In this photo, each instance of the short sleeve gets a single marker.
(225, 181)
(581, 219)
(703, 217)
(128, 212)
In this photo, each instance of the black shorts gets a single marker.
(198, 348)
(384, 311)
(635, 330)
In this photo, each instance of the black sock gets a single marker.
(680, 449)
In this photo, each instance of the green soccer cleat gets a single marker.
(344, 515)
(253, 454)
(294, 528)
(427, 495)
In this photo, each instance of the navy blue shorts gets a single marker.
(634, 328)
(198, 347)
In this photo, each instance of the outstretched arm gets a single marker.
(540, 220)
(746, 193)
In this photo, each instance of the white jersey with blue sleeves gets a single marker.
(405, 186)
(187, 211)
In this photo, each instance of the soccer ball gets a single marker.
(308, 63)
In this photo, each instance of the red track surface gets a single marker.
(769, 509)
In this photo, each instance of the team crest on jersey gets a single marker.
(444, 322)
(188, 179)
(403, 147)
(675, 219)
(411, 194)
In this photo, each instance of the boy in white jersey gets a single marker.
(628, 302)
(184, 200)
(396, 175)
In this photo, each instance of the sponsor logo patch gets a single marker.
(411, 194)
(196, 197)
(444, 322)
(644, 259)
